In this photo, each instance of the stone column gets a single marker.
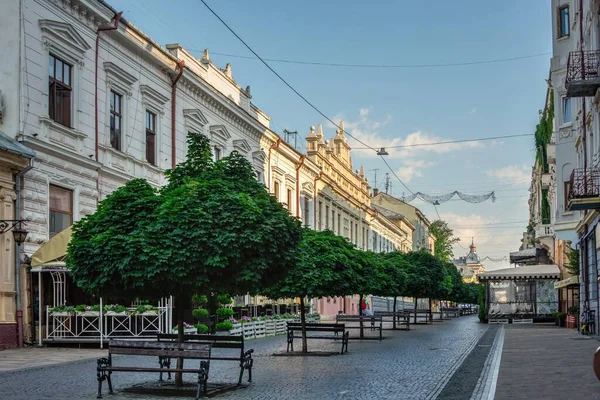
(8, 321)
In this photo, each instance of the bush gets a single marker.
(224, 299)
(224, 326)
(199, 299)
(559, 315)
(200, 313)
(202, 328)
(224, 313)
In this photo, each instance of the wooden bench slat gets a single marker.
(201, 338)
(195, 354)
(144, 369)
(145, 344)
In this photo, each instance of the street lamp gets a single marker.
(19, 234)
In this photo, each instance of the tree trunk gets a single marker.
(394, 317)
(212, 305)
(416, 299)
(303, 322)
(180, 333)
(360, 301)
(430, 313)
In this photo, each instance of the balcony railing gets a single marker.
(584, 190)
(583, 78)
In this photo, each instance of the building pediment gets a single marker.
(194, 119)
(308, 187)
(219, 134)
(63, 34)
(153, 95)
(123, 76)
(259, 156)
(242, 146)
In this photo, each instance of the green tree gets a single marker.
(444, 239)
(425, 275)
(573, 264)
(209, 230)
(395, 270)
(327, 266)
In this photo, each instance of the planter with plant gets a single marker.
(87, 311)
(116, 310)
(63, 311)
(559, 319)
(270, 326)
(201, 328)
(223, 328)
(259, 327)
(236, 327)
(187, 329)
(201, 314)
(224, 313)
(146, 309)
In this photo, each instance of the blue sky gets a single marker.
(394, 106)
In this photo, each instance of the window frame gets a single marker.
(217, 153)
(276, 189)
(113, 95)
(151, 132)
(289, 199)
(53, 83)
(71, 213)
(563, 103)
(560, 26)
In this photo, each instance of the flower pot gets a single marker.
(88, 313)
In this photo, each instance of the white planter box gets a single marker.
(116, 314)
(248, 330)
(88, 314)
(149, 313)
(259, 329)
(61, 314)
(270, 328)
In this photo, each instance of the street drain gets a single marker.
(484, 345)
(439, 349)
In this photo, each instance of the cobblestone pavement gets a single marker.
(30, 357)
(405, 365)
(545, 362)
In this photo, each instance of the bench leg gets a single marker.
(102, 376)
(164, 362)
(202, 378)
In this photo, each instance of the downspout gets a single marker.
(112, 27)
(302, 159)
(180, 65)
(19, 311)
(274, 146)
(318, 177)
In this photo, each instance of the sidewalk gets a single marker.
(31, 357)
(545, 362)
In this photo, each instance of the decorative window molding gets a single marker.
(118, 79)
(290, 179)
(64, 39)
(194, 120)
(219, 135)
(241, 146)
(308, 189)
(153, 100)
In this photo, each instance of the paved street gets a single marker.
(405, 365)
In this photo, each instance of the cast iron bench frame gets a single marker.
(197, 351)
(336, 329)
(217, 342)
(370, 319)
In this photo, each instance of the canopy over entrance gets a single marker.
(53, 252)
(526, 272)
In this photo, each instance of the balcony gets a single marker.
(583, 78)
(542, 231)
(584, 189)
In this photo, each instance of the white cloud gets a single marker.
(512, 173)
(473, 110)
(412, 168)
(364, 111)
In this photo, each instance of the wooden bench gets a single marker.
(451, 312)
(333, 329)
(420, 314)
(197, 351)
(217, 342)
(400, 318)
(372, 320)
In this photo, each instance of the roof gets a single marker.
(544, 271)
(387, 213)
(524, 253)
(14, 146)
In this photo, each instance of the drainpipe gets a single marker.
(112, 27)
(318, 177)
(274, 146)
(302, 159)
(179, 66)
(19, 312)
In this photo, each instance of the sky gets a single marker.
(386, 107)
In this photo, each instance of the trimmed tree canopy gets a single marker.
(211, 229)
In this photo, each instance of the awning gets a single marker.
(54, 249)
(574, 280)
(526, 272)
(53, 266)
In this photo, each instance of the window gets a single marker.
(333, 220)
(59, 94)
(306, 211)
(61, 209)
(351, 232)
(216, 154)
(563, 21)
(116, 120)
(276, 190)
(356, 233)
(289, 200)
(320, 213)
(567, 116)
(363, 238)
(326, 217)
(259, 177)
(567, 188)
(340, 224)
(151, 137)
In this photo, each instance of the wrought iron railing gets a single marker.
(582, 66)
(584, 183)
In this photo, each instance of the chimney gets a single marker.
(375, 191)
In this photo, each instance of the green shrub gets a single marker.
(559, 315)
(224, 313)
(80, 308)
(200, 313)
(199, 299)
(202, 328)
(223, 326)
(224, 299)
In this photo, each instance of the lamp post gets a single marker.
(19, 234)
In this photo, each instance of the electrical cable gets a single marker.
(448, 142)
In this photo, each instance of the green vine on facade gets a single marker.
(543, 135)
